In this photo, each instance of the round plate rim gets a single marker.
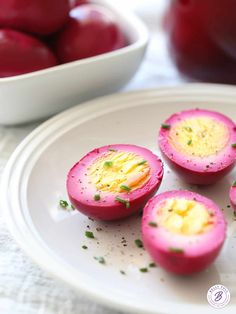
(184, 90)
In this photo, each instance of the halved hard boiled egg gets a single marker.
(199, 144)
(183, 231)
(114, 181)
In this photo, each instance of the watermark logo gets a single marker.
(218, 296)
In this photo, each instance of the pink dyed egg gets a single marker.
(232, 195)
(114, 181)
(199, 144)
(183, 231)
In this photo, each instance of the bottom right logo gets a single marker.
(218, 296)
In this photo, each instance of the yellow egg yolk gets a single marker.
(119, 171)
(186, 217)
(200, 136)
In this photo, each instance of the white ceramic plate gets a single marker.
(34, 182)
(40, 94)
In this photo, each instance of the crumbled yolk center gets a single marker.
(119, 171)
(186, 217)
(200, 136)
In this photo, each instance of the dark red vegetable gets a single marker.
(202, 39)
(21, 53)
(75, 3)
(91, 30)
(42, 17)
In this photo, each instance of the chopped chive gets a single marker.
(139, 243)
(151, 265)
(165, 126)
(63, 203)
(89, 234)
(233, 145)
(84, 247)
(72, 207)
(121, 200)
(153, 224)
(122, 272)
(108, 163)
(142, 162)
(190, 142)
(100, 259)
(187, 128)
(234, 184)
(234, 214)
(143, 270)
(176, 250)
(125, 187)
(112, 149)
(97, 197)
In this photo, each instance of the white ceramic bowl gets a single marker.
(43, 93)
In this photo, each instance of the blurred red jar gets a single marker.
(202, 39)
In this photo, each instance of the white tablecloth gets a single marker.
(24, 288)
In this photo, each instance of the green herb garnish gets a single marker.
(89, 234)
(100, 259)
(234, 214)
(233, 145)
(153, 224)
(139, 243)
(72, 207)
(121, 200)
(112, 149)
(234, 184)
(143, 270)
(63, 203)
(187, 128)
(152, 265)
(97, 197)
(125, 188)
(176, 250)
(189, 142)
(108, 163)
(165, 126)
(84, 247)
(142, 162)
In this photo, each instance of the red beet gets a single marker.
(202, 39)
(42, 17)
(92, 30)
(75, 3)
(21, 53)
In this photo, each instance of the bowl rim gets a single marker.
(135, 22)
